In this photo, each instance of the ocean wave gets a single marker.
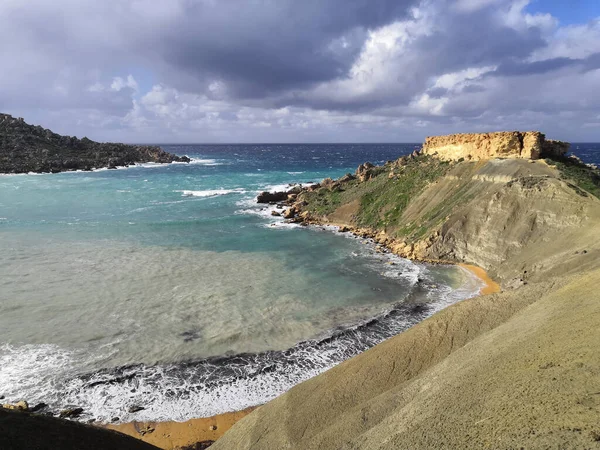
(214, 385)
(211, 192)
(206, 162)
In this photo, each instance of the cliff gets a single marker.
(503, 215)
(516, 369)
(27, 148)
(504, 144)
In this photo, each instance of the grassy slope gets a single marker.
(382, 200)
(579, 174)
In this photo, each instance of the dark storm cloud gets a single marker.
(478, 39)
(262, 47)
(278, 69)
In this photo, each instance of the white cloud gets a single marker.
(119, 83)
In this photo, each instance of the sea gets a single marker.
(167, 287)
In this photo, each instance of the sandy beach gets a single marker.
(176, 435)
(491, 287)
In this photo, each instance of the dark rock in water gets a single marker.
(2, 397)
(38, 407)
(268, 197)
(115, 419)
(27, 148)
(275, 213)
(135, 408)
(71, 412)
(203, 445)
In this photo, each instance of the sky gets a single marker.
(248, 71)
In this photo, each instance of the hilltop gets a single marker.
(28, 148)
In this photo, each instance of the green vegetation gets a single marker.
(584, 178)
(383, 198)
(383, 206)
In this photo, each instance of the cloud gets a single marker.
(284, 70)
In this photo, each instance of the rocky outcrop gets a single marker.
(504, 144)
(271, 197)
(28, 148)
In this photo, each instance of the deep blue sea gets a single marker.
(168, 287)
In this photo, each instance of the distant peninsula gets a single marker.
(28, 148)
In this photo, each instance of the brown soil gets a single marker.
(177, 435)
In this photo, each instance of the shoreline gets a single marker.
(173, 435)
(491, 287)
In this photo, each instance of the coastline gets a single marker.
(175, 435)
(171, 435)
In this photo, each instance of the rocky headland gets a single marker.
(514, 369)
(27, 148)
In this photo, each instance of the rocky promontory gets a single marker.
(28, 148)
(513, 369)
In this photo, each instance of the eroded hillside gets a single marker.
(516, 369)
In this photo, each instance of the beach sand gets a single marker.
(176, 435)
(491, 287)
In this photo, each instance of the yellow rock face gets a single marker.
(503, 144)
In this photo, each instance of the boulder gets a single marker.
(363, 172)
(19, 406)
(275, 213)
(70, 413)
(289, 213)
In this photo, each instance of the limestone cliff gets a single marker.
(504, 144)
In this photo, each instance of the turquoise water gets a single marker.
(167, 286)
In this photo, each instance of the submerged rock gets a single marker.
(135, 408)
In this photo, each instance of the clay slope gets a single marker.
(511, 370)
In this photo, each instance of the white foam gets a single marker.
(211, 192)
(281, 187)
(205, 162)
